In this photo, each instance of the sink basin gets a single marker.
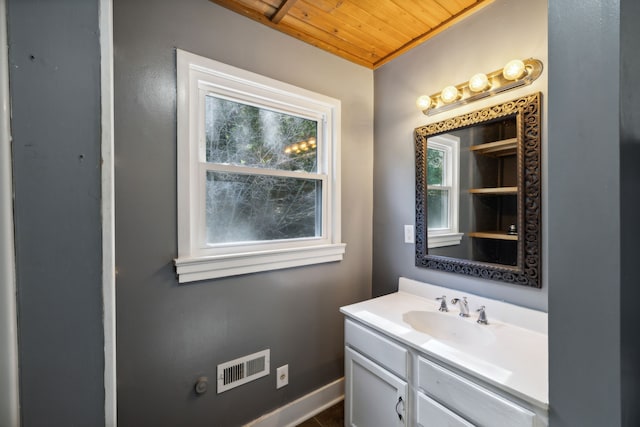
(449, 327)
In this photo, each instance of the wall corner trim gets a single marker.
(9, 376)
(108, 212)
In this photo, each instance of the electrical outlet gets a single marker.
(282, 376)
(408, 234)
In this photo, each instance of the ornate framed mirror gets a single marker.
(478, 193)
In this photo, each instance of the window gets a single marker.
(443, 155)
(258, 173)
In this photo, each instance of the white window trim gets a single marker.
(9, 369)
(447, 239)
(449, 236)
(197, 75)
(108, 214)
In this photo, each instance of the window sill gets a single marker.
(213, 267)
(441, 240)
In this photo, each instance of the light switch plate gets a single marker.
(408, 234)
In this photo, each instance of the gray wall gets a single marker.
(593, 273)
(55, 90)
(170, 334)
(584, 213)
(630, 209)
(480, 44)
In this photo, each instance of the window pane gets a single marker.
(246, 208)
(435, 166)
(437, 209)
(241, 134)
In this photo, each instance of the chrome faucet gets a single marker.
(464, 306)
(443, 303)
(482, 317)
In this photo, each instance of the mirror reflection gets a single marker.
(484, 191)
(478, 193)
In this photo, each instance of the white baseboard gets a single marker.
(304, 408)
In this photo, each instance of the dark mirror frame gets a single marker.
(528, 270)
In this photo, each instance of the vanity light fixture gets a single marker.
(479, 82)
(516, 73)
(423, 102)
(449, 94)
(513, 70)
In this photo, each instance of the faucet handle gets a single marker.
(464, 306)
(443, 303)
(482, 317)
(463, 300)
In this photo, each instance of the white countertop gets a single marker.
(516, 361)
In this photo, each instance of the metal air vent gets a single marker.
(243, 370)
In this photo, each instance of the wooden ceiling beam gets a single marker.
(282, 11)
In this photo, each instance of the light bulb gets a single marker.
(449, 94)
(478, 82)
(312, 141)
(423, 102)
(513, 70)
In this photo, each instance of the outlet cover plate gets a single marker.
(282, 376)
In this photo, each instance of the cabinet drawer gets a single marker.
(474, 403)
(431, 413)
(377, 347)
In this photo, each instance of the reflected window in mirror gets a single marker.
(443, 188)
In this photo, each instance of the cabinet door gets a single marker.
(374, 397)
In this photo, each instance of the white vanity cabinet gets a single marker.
(367, 383)
(431, 413)
(376, 387)
(391, 384)
(471, 403)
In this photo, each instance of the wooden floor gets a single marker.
(330, 417)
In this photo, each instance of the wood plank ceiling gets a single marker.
(367, 32)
